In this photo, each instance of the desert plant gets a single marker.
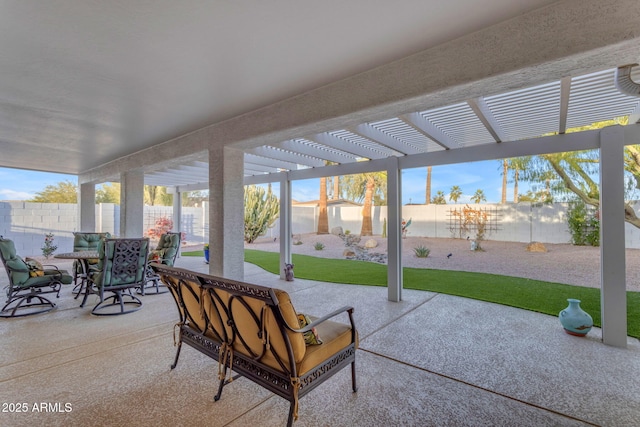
(261, 209)
(318, 246)
(421, 251)
(49, 248)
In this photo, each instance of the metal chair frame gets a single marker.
(122, 267)
(24, 300)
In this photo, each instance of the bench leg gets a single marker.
(217, 396)
(175, 361)
(290, 420)
(353, 376)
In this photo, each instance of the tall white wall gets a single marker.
(26, 223)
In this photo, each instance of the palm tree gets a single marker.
(439, 199)
(455, 193)
(478, 196)
(323, 217)
(505, 172)
(364, 187)
(428, 192)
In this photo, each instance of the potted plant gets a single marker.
(206, 253)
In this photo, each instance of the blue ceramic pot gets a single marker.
(206, 255)
(575, 320)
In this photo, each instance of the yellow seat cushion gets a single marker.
(335, 337)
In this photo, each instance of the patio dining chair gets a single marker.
(84, 241)
(28, 283)
(165, 253)
(122, 268)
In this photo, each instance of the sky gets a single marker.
(17, 184)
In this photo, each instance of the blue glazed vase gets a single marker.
(206, 256)
(575, 320)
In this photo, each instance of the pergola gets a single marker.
(493, 92)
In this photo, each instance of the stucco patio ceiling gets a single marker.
(553, 107)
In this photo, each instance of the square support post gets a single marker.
(87, 207)
(394, 235)
(132, 203)
(285, 222)
(226, 213)
(612, 240)
(177, 213)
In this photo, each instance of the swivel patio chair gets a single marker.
(122, 267)
(84, 241)
(165, 253)
(27, 285)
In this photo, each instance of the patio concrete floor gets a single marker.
(430, 360)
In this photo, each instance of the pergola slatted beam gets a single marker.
(260, 168)
(324, 154)
(565, 92)
(484, 114)
(278, 164)
(287, 156)
(634, 117)
(423, 125)
(365, 130)
(344, 145)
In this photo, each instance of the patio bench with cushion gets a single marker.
(255, 332)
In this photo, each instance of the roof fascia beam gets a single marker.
(587, 140)
(551, 144)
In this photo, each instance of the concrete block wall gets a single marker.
(27, 223)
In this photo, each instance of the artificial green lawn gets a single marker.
(543, 297)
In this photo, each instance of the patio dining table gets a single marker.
(83, 257)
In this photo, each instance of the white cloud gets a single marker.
(6, 194)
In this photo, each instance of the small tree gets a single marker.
(261, 209)
(49, 248)
(162, 226)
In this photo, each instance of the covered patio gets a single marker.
(139, 95)
(431, 359)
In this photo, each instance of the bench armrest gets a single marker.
(316, 322)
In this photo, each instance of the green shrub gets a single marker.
(318, 246)
(584, 225)
(422, 251)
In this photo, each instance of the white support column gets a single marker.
(612, 241)
(394, 234)
(285, 222)
(177, 213)
(226, 212)
(87, 207)
(132, 203)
